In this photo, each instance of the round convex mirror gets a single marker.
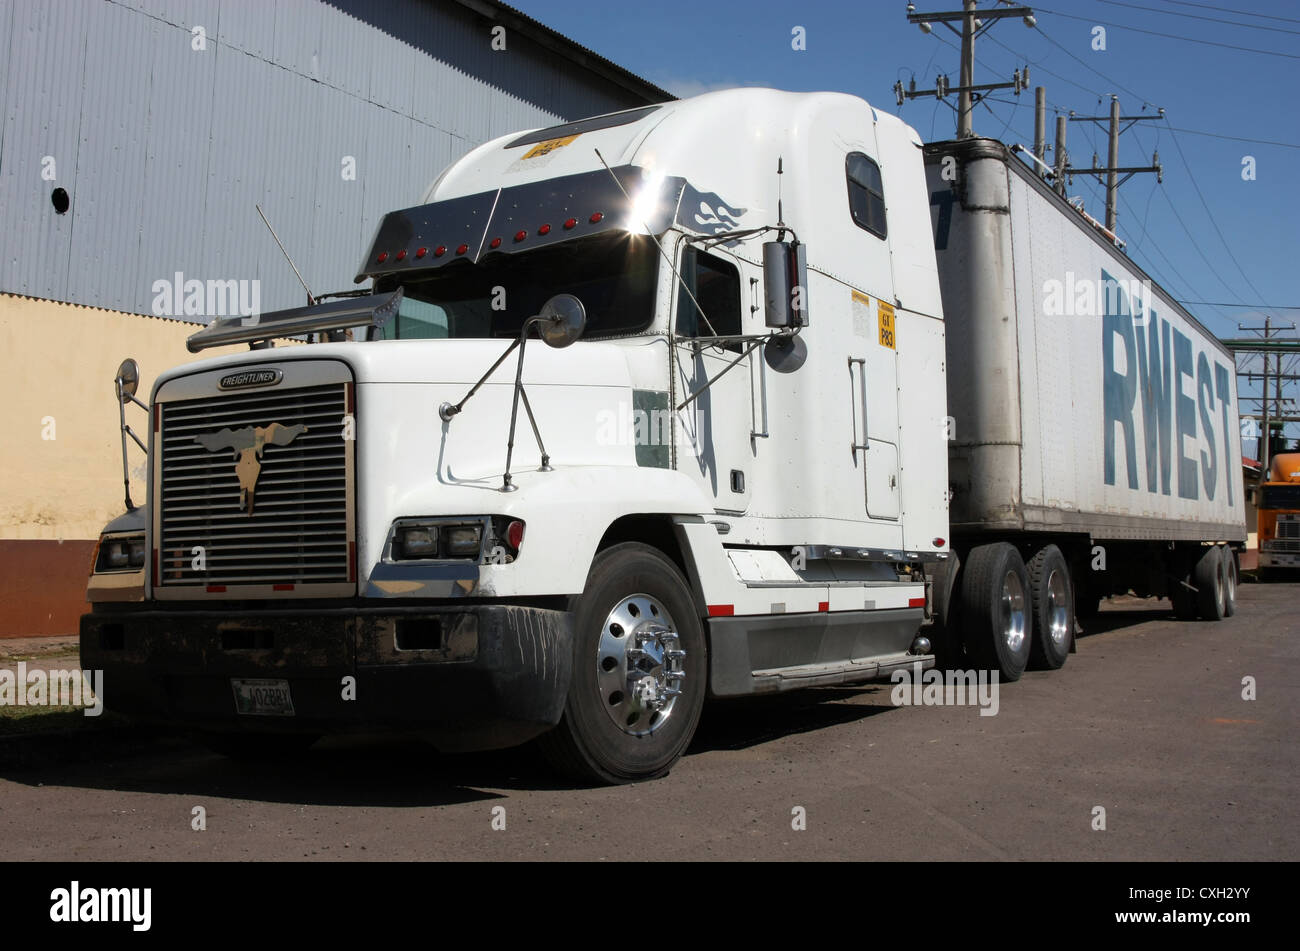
(563, 318)
(127, 380)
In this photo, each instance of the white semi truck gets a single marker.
(720, 468)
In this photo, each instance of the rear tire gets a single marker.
(1231, 578)
(997, 610)
(1209, 579)
(631, 623)
(1052, 591)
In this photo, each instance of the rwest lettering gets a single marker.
(1176, 385)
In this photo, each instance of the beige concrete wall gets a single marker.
(59, 364)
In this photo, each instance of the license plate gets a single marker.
(267, 698)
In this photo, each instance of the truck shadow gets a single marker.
(752, 721)
(1126, 612)
(396, 772)
(405, 772)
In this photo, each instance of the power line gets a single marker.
(1168, 36)
(1193, 16)
(1085, 64)
(1210, 303)
(1037, 64)
(1244, 13)
(1142, 248)
(1239, 138)
(1192, 238)
(1213, 221)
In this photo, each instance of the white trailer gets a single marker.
(1095, 427)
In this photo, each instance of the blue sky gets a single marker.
(1206, 234)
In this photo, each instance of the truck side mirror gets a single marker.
(562, 320)
(785, 283)
(127, 380)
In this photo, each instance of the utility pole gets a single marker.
(964, 118)
(1040, 128)
(1113, 170)
(973, 23)
(1271, 408)
(1062, 159)
(1112, 166)
(1264, 438)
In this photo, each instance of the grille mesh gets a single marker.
(297, 532)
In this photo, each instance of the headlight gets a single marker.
(437, 540)
(418, 541)
(120, 554)
(463, 541)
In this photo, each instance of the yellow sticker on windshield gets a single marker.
(549, 146)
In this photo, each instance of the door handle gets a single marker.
(864, 445)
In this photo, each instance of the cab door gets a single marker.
(713, 434)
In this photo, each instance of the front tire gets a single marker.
(997, 610)
(639, 671)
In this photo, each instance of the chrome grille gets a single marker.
(1288, 527)
(298, 530)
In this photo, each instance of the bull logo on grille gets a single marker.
(248, 444)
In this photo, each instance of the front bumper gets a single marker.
(467, 676)
(1278, 559)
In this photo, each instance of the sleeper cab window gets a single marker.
(715, 282)
(866, 194)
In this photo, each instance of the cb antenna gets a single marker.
(780, 214)
(311, 300)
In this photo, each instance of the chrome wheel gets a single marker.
(1013, 612)
(1058, 609)
(639, 665)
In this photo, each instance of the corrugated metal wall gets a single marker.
(164, 149)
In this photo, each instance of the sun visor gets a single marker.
(522, 217)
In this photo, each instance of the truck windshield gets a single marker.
(612, 274)
(1280, 497)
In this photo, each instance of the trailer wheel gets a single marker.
(639, 671)
(1230, 582)
(1052, 592)
(997, 610)
(1209, 578)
